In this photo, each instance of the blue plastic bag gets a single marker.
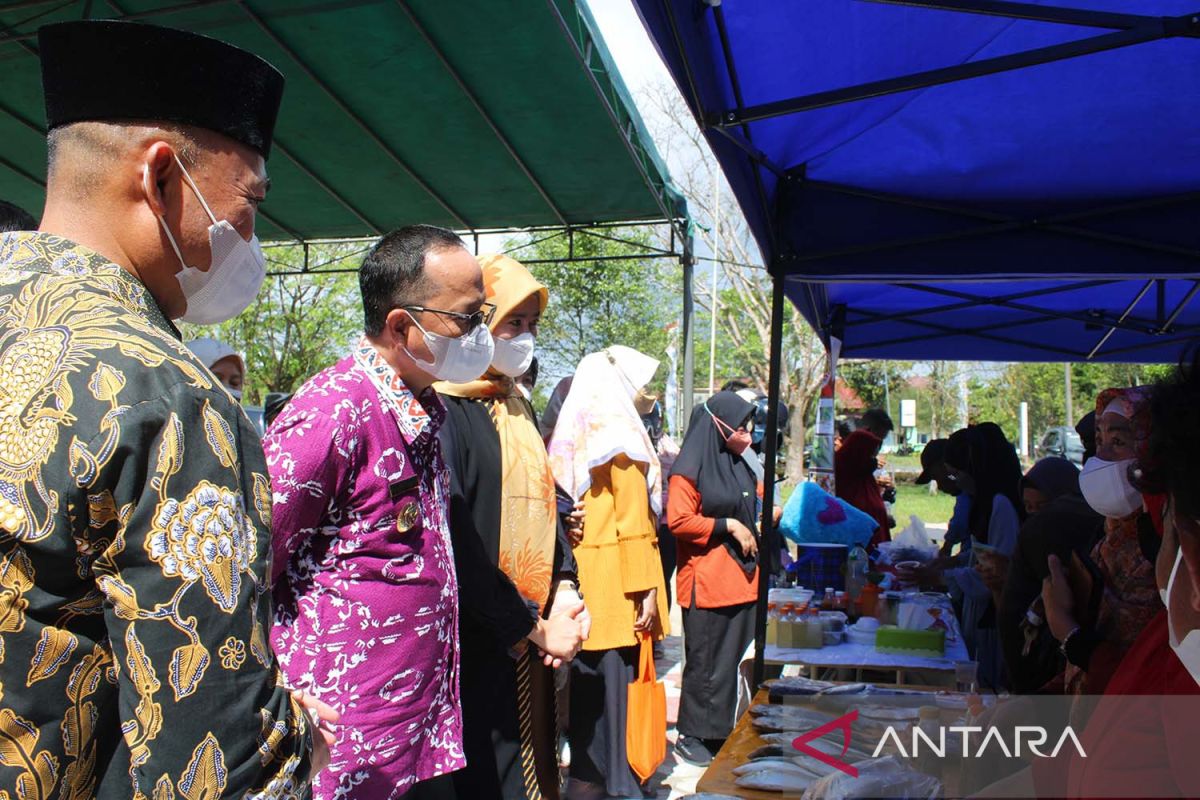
(812, 515)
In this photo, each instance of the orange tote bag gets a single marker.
(646, 716)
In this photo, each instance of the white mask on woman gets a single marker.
(1106, 487)
(513, 356)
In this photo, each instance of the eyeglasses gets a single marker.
(472, 321)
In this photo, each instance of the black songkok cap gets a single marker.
(106, 70)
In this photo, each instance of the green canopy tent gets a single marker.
(471, 115)
(477, 115)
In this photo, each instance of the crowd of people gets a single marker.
(411, 584)
(1068, 581)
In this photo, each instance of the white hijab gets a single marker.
(598, 422)
(210, 351)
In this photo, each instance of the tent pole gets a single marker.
(715, 302)
(688, 386)
(768, 547)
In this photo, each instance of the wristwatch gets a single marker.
(1062, 646)
(1068, 649)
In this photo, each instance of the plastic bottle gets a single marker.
(814, 630)
(841, 602)
(798, 618)
(857, 567)
(783, 631)
(798, 635)
(828, 599)
(772, 624)
(869, 600)
(799, 628)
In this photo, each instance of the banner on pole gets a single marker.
(821, 468)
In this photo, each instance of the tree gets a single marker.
(743, 295)
(1043, 387)
(871, 380)
(883, 384)
(944, 397)
(600, 302)
(298, 324)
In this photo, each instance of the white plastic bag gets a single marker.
(911, 544)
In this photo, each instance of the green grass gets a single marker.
(908, 462)
(913, 499)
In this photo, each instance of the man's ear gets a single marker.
(397, 323)
(157, 166)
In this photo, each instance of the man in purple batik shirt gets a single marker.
(366, 596)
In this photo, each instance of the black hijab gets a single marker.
(726, 483)
(983, 452)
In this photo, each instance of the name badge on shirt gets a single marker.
(400, 488)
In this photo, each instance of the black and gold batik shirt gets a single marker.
(135, 525)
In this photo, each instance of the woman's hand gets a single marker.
(743, 536)
(559, 637)
(575, 525)
(1059, 600)
(648, 612)
(567, 597)
(323, 717)
(993, 569)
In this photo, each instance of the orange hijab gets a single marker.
(528, 511)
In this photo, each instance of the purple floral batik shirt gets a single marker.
(366, 609)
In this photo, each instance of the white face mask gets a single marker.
(456, 360)
(1188, 650)
(233, 279)
(513, 356)
(1105, 486)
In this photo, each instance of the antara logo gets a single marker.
(842, 723)
(1031, 736)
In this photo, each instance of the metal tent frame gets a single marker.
(681, 248)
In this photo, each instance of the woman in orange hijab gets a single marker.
(523, 586)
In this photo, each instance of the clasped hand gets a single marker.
(560, 636)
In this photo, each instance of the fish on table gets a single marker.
(776, 780)
(782, 764)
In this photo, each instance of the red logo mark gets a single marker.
(841, 723)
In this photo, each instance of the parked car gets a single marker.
(1061, 442)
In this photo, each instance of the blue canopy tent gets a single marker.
(966, 179)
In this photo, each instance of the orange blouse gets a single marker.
(618, 557)
(705, 567)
